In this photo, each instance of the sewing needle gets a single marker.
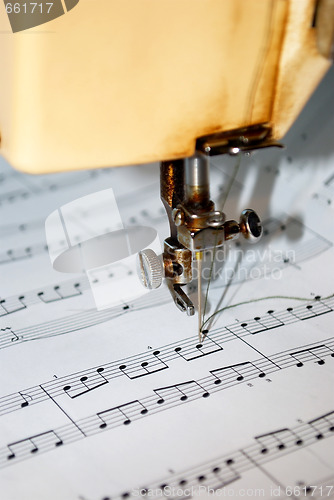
(199, 292)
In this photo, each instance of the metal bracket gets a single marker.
(235, 141)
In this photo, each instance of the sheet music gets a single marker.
(125, 402)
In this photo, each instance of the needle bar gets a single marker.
(199, 292)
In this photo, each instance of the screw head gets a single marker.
(250, 225)
(178, 216)
(150, 269)
(216, 219)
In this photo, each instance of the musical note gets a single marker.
(9, 335)
(326, 193)
(38, 186)
(22, 227)
(239, 372)
(215, 475)
(8, 308)
(180, 392)
(224, 474)
(13, 195)
(121, 414)
(21, 399)
(86, 384)
(196, 351)
(33, 444)
(305, 355)
(26, 399)
(278, 440)
(317, 308)
(323, 423)
(137, 370)
(56, 293)
(52, 293)
(63, 325)
(280, 318)
(262, 324)
(17, 254)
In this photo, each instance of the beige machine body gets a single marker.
(117, 82)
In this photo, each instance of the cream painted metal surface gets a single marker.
(116, 82)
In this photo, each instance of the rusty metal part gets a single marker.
(196, 219)
(171, 188)
(171, 182)
(177, 262)
(197, 184)
(215, 219)
(178, 269)
(210, 237)
(232, 230)
(235, 141)
(178, 216)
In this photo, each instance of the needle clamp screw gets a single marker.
(250, 225)
(150, 269)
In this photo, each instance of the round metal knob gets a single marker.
(250, 225)
(150, 267)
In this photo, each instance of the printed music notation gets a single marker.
(213, 341)
(55, 293)
(48, 295)
(151, 211)
(216, 474)
(110, 418)
(18, 187)
(57, 327)
(163, 398)
(33, 444)
(36, 245)
(228, 468)
(17, 254)
(325, 195)
(152, 364)
(13, 229)
(157, 359)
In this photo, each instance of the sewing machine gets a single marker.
(117, 82)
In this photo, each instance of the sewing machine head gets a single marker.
(120, 82)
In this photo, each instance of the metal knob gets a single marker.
(250, 225)
(150, 269)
